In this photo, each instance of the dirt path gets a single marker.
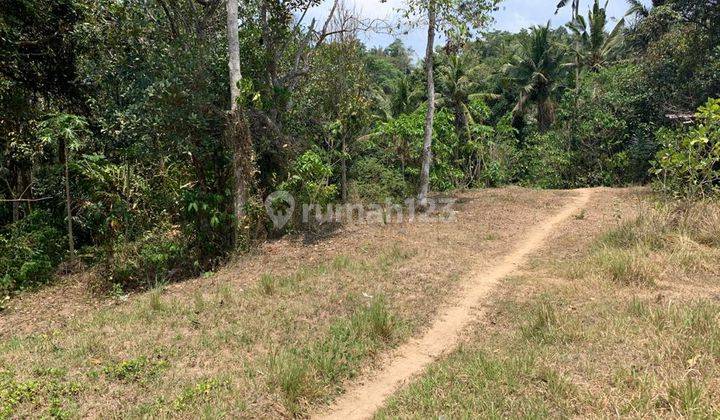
(362, 400)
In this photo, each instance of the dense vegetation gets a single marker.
(116, 149)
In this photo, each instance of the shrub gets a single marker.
(309, 183)
(496, 153)
(29, 253)
(374, 182)
(688, 166)
(309, 179)
(546, 161)
(159, 256)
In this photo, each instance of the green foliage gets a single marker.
(50, 388)
(546, 161)
(158, 257)
(688, 165)
(70, 129)
(201, 392)
(13, 393)
(374, 182)
(596, 47)
(607, 129)
(536, 72)
(309, 180)
(29, 252)
(134, 370)
(400, 142)
(119, 198)
(137, 92)
(497, 154)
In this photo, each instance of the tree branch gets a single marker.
(24, 200)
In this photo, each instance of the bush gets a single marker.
(546, 162)
(158, 257)
(309, 184)
(374, 182)
(604, 128)
(496, 153)
(29, 253)
(309, 180)
(688, 166)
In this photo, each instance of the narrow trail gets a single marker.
(363, 399)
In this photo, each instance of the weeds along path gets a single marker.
(363, 399)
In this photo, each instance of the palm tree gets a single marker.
(536, 71)
(456, 85)
(575, 7)
(637, 8)
(596, 47)
(405, 97)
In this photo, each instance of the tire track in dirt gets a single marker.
(363, 399)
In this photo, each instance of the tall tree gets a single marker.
(575, 7)
(67, 132)
(458, 18)
(456, 89)
(237, 132)
(595, 46)
(536, 71)
(430, 116)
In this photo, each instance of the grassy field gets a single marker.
(619, 322)
(195, 356)
(616, 316)
(272, 335)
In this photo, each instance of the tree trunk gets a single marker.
(15, 211)
(343, 170)
(430, 117)
(237, 132)
(546, 115)
(68, 203)
(15, 180)
(233, 53)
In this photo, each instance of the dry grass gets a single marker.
(618, 322)
(268, 336)
(229, 347)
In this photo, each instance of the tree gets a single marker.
(339, 94)
(457, 18)
(637, 8)
(400, 55)
(596, 47)
(405, 96)
(457, 86)
(430, 116)
(68, 132)
(536, 71)
(575, 7)
(237, 132)
(39, 47)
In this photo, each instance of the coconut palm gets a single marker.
(405, 97)
(456, 84)
(536, 70)
(596, 47)
(575, 7)
(637, 8)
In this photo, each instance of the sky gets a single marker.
(512, 16)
